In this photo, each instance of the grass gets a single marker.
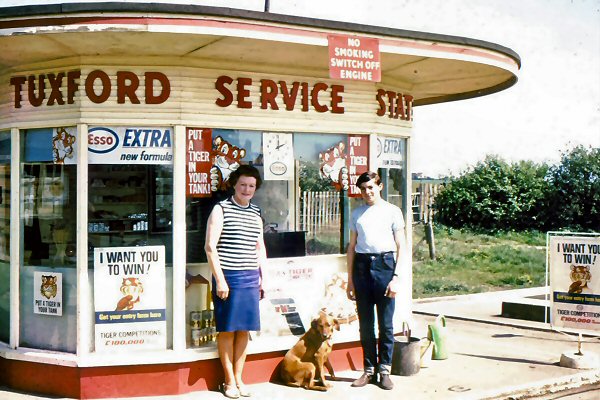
(468, 262)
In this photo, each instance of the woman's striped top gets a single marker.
(242, 227)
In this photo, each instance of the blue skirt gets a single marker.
(239, 312)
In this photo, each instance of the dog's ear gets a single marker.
(314, 323)
(336, 324)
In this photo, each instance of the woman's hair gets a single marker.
(245, 170)
(366, 177)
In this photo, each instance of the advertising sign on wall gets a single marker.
(574, 265)
(358, 154)
(47, 293)
(198, 162)
(333, 166)
(354, 58)
(130, 298)
(390, 152)
(64, 150)
(288, 310)
(130, 145)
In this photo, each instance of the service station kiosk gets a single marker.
(119, 126)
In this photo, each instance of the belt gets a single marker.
(375, 255)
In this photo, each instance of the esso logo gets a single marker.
(278, 168)
(102, 140)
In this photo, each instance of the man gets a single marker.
(376, 243)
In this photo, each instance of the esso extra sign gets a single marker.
(102, 140)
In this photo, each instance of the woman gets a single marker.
(235, 249)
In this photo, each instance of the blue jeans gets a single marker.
(371, 274)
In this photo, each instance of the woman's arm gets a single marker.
(213, 233)
(261, 252)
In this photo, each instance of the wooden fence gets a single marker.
(422, 198)
(320, 212)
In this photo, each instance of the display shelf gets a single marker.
(119, 197)
(117, 232)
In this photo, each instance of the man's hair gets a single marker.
(366, 177)
(245, 170)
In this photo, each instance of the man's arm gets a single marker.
(400, 240)
(393, 286)
(350, 263)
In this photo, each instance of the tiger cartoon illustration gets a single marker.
(580, 276)
(336, 303)
(333, 166)
(227, 159)
(48, 287)
(62, 145)
(132, 289)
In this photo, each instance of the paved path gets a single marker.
(490, 358)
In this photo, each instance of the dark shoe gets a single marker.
(385, 382)
(363, 380)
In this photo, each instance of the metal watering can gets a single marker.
(438, 334)
(406, 359)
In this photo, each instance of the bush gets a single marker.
(494, 196)
(573, 200)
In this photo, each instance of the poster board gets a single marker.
(354, 58)
(390, 152)
(48, 293)
(130, 298)
(297, 289)
(130, 145)
(198, 149)
(574, 271)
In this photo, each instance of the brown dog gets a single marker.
(303, 365)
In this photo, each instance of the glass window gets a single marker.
(320, 159)
(296, 222)
(130, 215)
(393, 176)
(237, 147)
(5, 236)
(130, 205)
(48, 298)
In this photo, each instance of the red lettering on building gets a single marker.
(127, 84)
(268, 93)
(105, 86)
(271, 92)
(243, 93)
(395, 105)
(149, 79)
(221, 88)
(97, 88)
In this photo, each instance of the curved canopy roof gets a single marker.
(433, 68)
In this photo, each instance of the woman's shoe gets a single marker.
(230, 391)
(244, 392)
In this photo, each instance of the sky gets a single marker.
(554, 106)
